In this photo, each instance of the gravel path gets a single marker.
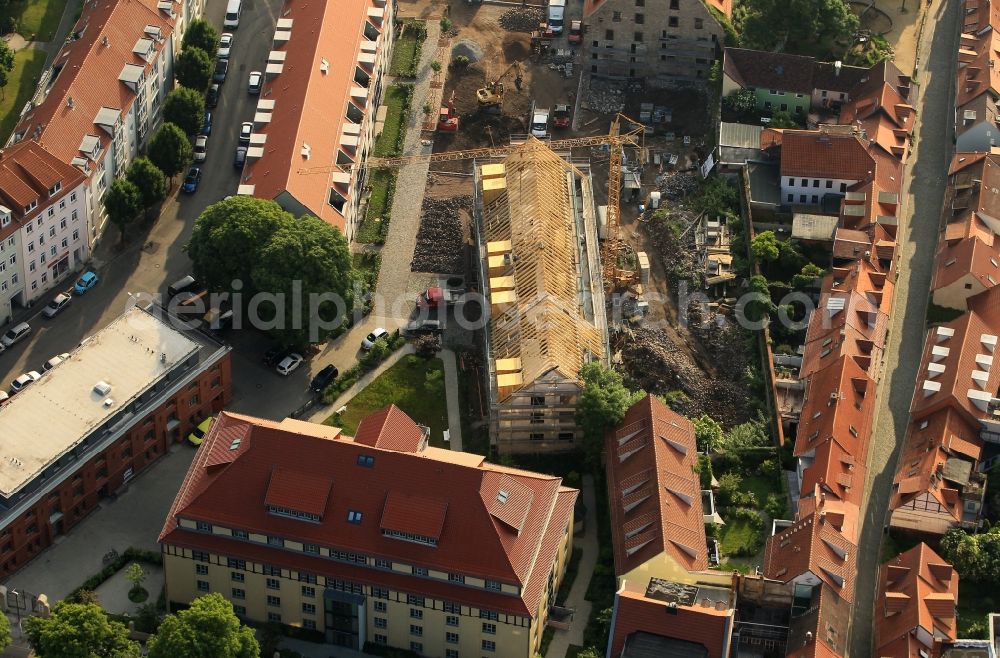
(396, 287)
(926, 174)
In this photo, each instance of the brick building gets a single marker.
(378, 538)
(111, 409)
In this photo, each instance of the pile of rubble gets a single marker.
(522, 19)
(677, 185)
(672, 234)
(604, 98)
(658, 366)
(441, 237)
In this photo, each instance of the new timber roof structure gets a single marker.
(543, 265)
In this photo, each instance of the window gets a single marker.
(233, 563)
(672, 21)
(240, 610)
(73, 216)
(416, 631)
(72, 197)
(843, 187)
(489, 645)
(381, 639)
(616, 16)
(239, 593)
(536, 436)
(29, 228)
(489, 629)
(419, 571)
(274, 601)
(76, 235)
(201, 569)
(202, 585)
(415, 600)
(237, 576)
(451, 638)
(380, 606)
(309, 624)
(307, 578)
(273, 583)
(275, 541)
(489, 614)
(201, 556)
(815, 199)
(802, 198)
(638, 39)
(353, 516)
(380, 593)
(366, 460)
(609, 35)
(453, 608)
(699, 23)
(65, 243)
(640, 19)
(815, 182)
(417, 647)
(450, 653)
(675, 4)
(456, 578)
(52, 231)
(381, 622)
(308, 591)
(791, 198)
(829, 184)
(451, 620)
(493, 585)
(203, 526)
(416, 613)
(52, 212)
(309, 608)
(274, 617)
(310, 548)
(382, 564)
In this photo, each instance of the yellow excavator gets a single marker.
(490, 97)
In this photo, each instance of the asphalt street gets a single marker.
(926, 175)
(153, 255)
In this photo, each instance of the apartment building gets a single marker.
(317, 109)
(915, 608)
(977, 85)
(540, 269)
(48, 212)
(377, 538)
(657, 42)
(119, 402)
(98, 104)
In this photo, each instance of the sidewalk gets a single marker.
(366, 379)
(451, 393)
(578, 592)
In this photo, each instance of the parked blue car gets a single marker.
(206, 126)
(191, 180)
(85, 283)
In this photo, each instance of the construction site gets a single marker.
(547, 198)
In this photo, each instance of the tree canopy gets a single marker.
(764, 246)
(193, 68)
(975, 557)
(201, 34)
(270, 251)
(77, 630)
(149, 179)
(186, 108)
(6, 66)
(170, 150)
(208, 629)
(707, 433)
(5, 635)
(601, 406)
(795, 25)
(122, 203)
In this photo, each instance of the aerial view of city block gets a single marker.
(499, 329)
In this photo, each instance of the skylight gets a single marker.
(502, 496)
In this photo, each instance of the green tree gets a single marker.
(6, 66)
(601, 406)
(149, 179)
(798, 24)
(782, 119)
(209, 628)
(590, 652)
(135, 574)
(201, 34)
(764, 247)
(170, 150)
(5, 635)
(809, 273)
(750, 434)
(719, 197)
(122, 203)
(740, 102)
(193, 68)
(227, 237)
(186, 108)
(76, 630)
(707, 433)
(311, 254)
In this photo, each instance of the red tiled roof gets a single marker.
(27, 172)
(310, 103)
(811, 545)
(650, 464)
(822, 631)
(823, 155)
(977, 76)
(470, 540)
(637, 613)
(987, 306)
(296, 490)
(957, 258)
(391, 429)
(917, 590)
(88, 78)
(839, 401)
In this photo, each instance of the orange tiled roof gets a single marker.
(390, 428)
(706, 626)
(654, 493)
(88, 79)
(311, 96)
(813, 545)
(822, 631)
(839, 399)
(917, 590)
(976, 75)
(471, 539)
(27, 172)
(817, 154)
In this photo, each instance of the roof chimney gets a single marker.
(837, 66)
(105, 42)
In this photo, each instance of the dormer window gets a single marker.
(55, 188)
(293, 514)
(31, 206)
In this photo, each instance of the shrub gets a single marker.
(427, 346)
(445, 24)
(775, 506)
(461, 61)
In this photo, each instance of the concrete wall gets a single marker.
(57, 234)
(782, 101)
(798, 187)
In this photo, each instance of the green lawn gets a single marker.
(397, 101)
(376, 222)
(406, 51)
(974, 602)
(37, 20)
(28, 65)
(738, 537)
(405, 385)
(761, 486)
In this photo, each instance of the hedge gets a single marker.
(116, 565)
(365, 364)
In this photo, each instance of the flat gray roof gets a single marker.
(53, 415)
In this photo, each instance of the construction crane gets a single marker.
(491, 96)
(617, 275)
